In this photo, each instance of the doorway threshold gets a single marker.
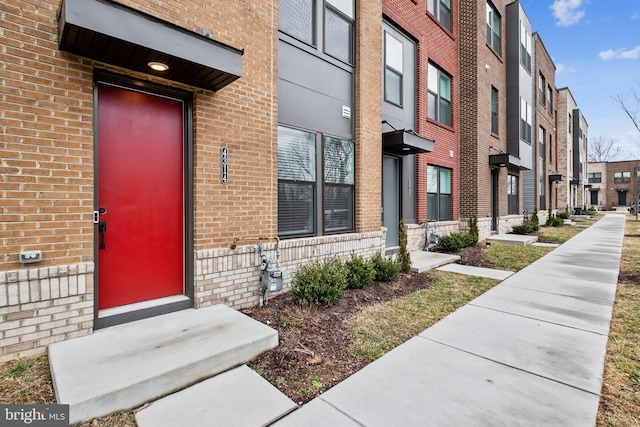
(140, 310)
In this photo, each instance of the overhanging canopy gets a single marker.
(557, 178)
(403, 142)
(115, 34)
(504, 160)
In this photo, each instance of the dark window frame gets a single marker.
(494, 39)
(595, 177)
(513, 196)
(495, 110)
(319, 222)
(525, 50)
(542, 87)
(314, 25)
(351, 23)
(438, 98)
(389, 68)
(435, 8)
(438, 197)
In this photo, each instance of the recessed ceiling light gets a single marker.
(158, 66)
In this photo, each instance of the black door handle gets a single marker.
(102, 227)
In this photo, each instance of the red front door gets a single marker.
(141, 239)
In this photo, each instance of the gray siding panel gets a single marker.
(312, 92)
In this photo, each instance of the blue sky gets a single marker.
(595, 45)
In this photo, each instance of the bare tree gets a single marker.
(626, 103)
(630, 104)
(602, 149)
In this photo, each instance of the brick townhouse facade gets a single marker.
(427, 33)
(116, 177)
(546, 143)
(572, 157)
(613, 185)
(495, 112)
(131, 191)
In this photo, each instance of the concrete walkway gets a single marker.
(530, 352)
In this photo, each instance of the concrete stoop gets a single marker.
(513, 239)
(126, 366)
(422, 261)
(239, 397)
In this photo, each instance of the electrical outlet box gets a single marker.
(27, 257)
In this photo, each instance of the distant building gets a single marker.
(547, 178)
(614, 185)
(572, 141)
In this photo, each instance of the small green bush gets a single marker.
(387, 269)
(455, 241)
(526, 227)
(563, 215)
(319, 282)
(360, 272)
(555, 221)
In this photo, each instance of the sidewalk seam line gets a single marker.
(510, 366)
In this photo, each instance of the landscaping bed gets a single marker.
(315, 350)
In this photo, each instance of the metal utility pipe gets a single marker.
(234, 245)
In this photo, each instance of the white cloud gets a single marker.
(561, 68)
(635, 15)
(610, 54)
(567, 12)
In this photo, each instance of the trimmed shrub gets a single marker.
(360, 272)
(319, 282)
(404, 259)
(554, 221)
(526, 227)
(387, 269)
(455, 241)
(563, 215)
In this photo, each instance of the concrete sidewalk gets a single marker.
(530, 352)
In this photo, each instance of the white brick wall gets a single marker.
(40, 306)
(231, 277)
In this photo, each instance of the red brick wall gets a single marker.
(480, 69)
(438, 45)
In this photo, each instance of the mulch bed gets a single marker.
(315, 353)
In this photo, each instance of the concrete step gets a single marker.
(476, 271)
(422, 261)
(239, 397)
(513, 239)
(125, 366)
